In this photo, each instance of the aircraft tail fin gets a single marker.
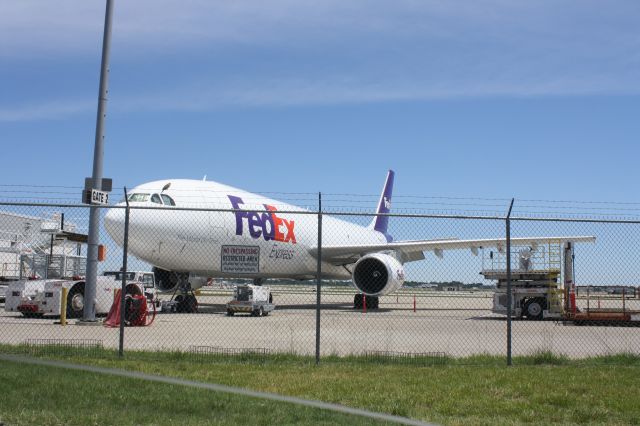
(381, 223)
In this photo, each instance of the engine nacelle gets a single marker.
(377, 274)
(165, 280)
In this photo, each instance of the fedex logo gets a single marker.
(266, 225)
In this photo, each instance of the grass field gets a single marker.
(540, 389)
(36, 395)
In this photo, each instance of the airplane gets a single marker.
(252, 236)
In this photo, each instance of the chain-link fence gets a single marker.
(309, 283)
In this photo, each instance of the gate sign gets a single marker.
(99, 197)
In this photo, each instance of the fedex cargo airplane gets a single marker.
(261, 238)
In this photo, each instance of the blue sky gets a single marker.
(478, 99)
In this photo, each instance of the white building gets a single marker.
(46, 250)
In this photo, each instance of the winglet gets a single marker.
(381, 223)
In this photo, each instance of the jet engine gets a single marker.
(170, 281)
(377, 274)
(165, 280)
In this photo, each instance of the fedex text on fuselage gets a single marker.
(267, 225)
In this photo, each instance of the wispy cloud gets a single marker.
(50, 110)
(304, 52)
(285, 93)
(72, 25)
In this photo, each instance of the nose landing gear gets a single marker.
(186, 301)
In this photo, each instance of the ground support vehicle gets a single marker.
(19, 291)
(536, 291)
(535, 295)
(36, 298)
(252, 299)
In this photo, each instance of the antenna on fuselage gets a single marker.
(164, 188)
(204, 178)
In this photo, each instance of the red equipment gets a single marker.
(136, 311)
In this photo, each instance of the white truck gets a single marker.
(36, 298)
(252, 299)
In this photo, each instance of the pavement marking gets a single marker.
(216, 387)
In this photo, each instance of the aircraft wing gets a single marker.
(414, 250)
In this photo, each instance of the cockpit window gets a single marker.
(168, 201)
(155, 198)
(138, 198)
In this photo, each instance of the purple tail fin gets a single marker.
(381, 223)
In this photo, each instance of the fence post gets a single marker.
(125, 249)
(509, 298)
(319, 278)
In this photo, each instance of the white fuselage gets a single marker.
(270, 239)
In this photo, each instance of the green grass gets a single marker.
(37, 395)
(542, 388)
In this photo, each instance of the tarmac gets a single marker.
(460, 324)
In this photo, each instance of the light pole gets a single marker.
(89, 313)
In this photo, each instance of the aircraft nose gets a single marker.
(114, 224)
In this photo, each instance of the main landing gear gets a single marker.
(372, 302)
(185, 300)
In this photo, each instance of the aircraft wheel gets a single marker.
(180, 303)
(357, 301)
(192, 304)
(373, 302)
(230, 313)
(186, 303)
